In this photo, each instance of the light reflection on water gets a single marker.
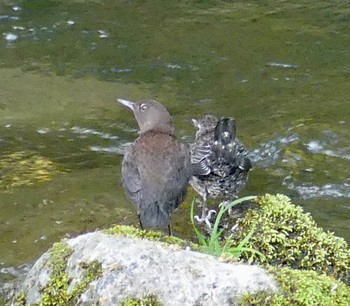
(269, 154)
(273, 154)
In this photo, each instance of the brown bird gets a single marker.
(156, 168)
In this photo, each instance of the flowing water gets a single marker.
(281, 69)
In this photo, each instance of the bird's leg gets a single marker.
(138, 215)
(204, 205)
(170, 231)
(206, 215)
(204, 208)
(227, 205)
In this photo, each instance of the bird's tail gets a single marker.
(227, 149)
(225, 131)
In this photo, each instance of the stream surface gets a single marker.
(281, 69)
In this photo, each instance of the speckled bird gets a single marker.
(219, 160)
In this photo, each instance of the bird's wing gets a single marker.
(131, 178)
(199, 159)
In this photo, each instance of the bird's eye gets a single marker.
(143, 107)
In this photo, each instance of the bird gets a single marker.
(219, 160)
(156, 167)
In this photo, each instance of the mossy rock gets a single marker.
(287, 236)
(58, 290)
(131, 231)
(147, 300)
(300, 287)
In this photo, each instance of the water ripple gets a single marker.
(269, 152)
(281, 65)
(120, 150)
(296, 155)
(7, 17)
(309, 190)
(318, 147)
(10, 37)
(88, 131)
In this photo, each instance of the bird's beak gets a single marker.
(127, 103)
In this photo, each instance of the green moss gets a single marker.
(299, 287)
(287, 236)
(93, 271)
(130, 231)
(20, 299)
(56, 292)
(147, 300)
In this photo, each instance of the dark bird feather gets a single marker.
(219, 160)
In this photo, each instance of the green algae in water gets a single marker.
(24, 168)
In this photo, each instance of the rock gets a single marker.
(134, 267)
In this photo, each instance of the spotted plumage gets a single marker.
(219, 162)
